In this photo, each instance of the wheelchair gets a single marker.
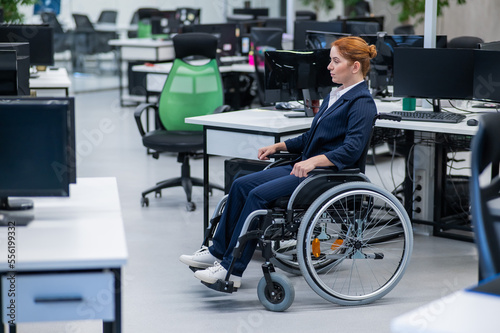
(350, 239)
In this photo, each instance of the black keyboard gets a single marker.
(437, 117)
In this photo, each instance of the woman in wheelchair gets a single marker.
(337, 137)
(350, 239)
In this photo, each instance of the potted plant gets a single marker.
(319, 5)
(416, 9)
(11, 12)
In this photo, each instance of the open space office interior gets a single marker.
(101, 100)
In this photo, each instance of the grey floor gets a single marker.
(161, 295)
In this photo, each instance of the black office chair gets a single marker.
(465, 42)
(188, 91)
(305, 15)
(264, 39)
(88, 41)
(62, 40)
(485, 155)
(108, 16)
(405, 29)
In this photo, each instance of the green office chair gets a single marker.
(190, 90)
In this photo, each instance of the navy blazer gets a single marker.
(343, 130)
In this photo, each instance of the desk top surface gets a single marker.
(141, 42)
(51, 78)
(82, 231)
(464, 311)
(253, 120)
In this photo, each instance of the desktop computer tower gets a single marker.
(237, 167)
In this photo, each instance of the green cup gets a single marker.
(409, 104)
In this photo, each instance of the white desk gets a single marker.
(141, 49)
(430, 160)
(464, 311)
(248, 130)
(69, 258)
(51, 83)
(241, 134)
(156, 74)
(144, 49)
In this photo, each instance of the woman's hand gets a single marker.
(301, 169)
(264, 152)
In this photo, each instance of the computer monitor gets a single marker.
(490, 46)
(381, 74)
(34, 139)
(434, 73)
(70, 169)
(322, 39)
(296, 76)
(8, 73)
(226, 34)
(23, 65)
(487, 75)
(357, 28)
(39, 36)
(255, 12)
(301, 26)
(164, 22)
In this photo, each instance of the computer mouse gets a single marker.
(472, 122)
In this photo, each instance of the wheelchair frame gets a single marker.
(348, 224)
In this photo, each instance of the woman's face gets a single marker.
(341, 70)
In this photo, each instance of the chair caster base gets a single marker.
(190, 206)
(144, 202)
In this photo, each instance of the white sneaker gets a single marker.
(200, 259)
(217, 272)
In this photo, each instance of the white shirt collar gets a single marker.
(337, 92)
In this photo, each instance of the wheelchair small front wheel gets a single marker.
(280, 296)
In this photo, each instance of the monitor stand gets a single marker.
(436, 105)
(15, 212)
(308, 107)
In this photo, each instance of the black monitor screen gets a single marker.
(40, 38)
(433, 73)
(256, 12)
(287, 73)
(487, 75)
(70, 169)
(301, 26)
(225, 33)
(23, 66)
(322, 39)
(8, 73)
(33, 139)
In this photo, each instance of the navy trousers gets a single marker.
(247, 194)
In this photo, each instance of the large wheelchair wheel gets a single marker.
(365, 235)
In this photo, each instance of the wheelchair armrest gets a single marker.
(284, 156)
(281, 158)
(333, 170)
(222, 108)
(138, 112)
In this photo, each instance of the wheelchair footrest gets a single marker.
(222, 286)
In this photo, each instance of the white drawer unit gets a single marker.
(58, 297)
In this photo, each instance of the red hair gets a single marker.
(356, 49)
